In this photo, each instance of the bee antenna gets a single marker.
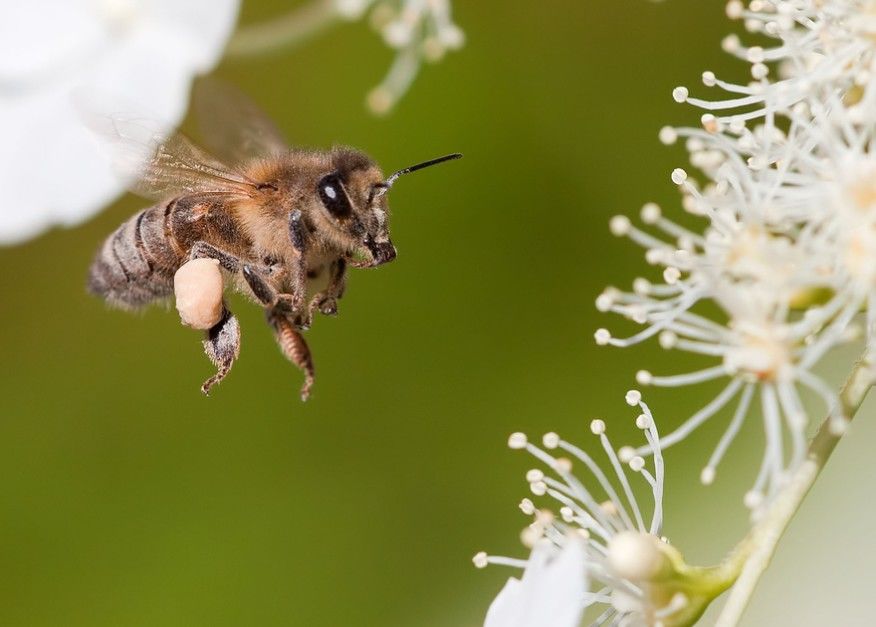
(384, 187)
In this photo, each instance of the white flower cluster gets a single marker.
(786, 259)
(417, 29)
(600, 551)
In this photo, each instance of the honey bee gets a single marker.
(279, 220)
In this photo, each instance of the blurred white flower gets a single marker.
(621, 554)
(419, 30)
(118, 52)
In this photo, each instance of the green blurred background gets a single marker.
(130, 499)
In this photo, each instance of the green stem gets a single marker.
(285, 32)
(752, 555)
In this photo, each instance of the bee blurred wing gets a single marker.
(160, 167)
(232, 125)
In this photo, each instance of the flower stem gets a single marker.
(752, 555)
(287, 31)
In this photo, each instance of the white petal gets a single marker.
(37, 38)
(204, 24)
(552, 591)
(134, 57)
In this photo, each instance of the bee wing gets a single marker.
(177, 166)
(233, 126)
(160, 167)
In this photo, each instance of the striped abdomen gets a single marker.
(136, 264)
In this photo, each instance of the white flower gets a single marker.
(623, 553)
(753, 273)
(786, 259)
(819, 45)
(119, 53)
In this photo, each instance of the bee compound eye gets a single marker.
(334, 196)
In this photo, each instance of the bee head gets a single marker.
(358, 218)
(354, 197)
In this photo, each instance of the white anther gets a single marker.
(643, 377)
(680, 94)
(671, 275)
(517, 440)
(602, 336)
(539, 488)
(707, 475)
(667, 135)
(643, 421)
(650, 213)
(709, 79)
(626, 453)
(653, 256)
(757, 162)
(534, 475)
(641, 286)
(531, 535)
(550, 440)
(597, 426)
(679, 176)
(480, 560)
(637, 463)
(668, 339)
(609, 508)
(604, 302)
(710, 123)
(544, 517)
(737, 125)
(734, 9)
(730, 43)
(527, 507)
(563, 465)
(759, 71)
(619, 226)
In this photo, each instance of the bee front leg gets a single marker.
(298, 274)
(326, 301)
(267, 295)
(222, 345)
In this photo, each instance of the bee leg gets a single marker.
(267, 295)
(298, 275)
(222, 345)
(326, 301)
(294, 348)
(203, 250)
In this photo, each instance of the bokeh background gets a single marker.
(127, 498)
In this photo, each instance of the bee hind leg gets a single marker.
(203, 250)
(222, 345)
(294, 348)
